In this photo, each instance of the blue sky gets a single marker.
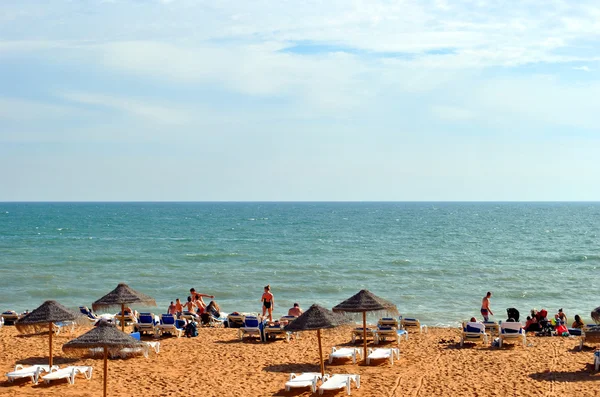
(299, 100)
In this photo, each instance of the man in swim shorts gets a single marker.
(485, 307)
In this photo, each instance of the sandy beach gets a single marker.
(216, 363)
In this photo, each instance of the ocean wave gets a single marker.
(208, 257)
(400, 262)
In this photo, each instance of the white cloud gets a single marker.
(583, 68)
(134, 107)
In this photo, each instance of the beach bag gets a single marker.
(191, 330)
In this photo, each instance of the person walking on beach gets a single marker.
(485, 307)
(268, 301)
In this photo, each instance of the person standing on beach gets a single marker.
(197, 298)
(268, 301)
(485, 307)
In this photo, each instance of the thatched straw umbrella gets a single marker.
(121, 296)
(104, 336)
(43, 317)
(317, 318)
(363, 302)
(596, 315)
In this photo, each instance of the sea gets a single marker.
(434, 260)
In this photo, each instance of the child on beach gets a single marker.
(268, 301)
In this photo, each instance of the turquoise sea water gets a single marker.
(434, 260)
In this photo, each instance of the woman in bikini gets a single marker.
(268, 302)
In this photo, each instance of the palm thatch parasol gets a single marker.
(317, 318)
(596, 315)
(121, 296)
(363, 302)
(104, 336)
(43, 317)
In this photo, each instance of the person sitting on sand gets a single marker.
(172, 309)
(295, 311)
(268, 301)
(578, 323)
(531, 325)
(485, 307)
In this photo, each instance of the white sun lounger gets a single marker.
(473, 332)
(357, 334)
(306, 379)
(140, 350)
(32, 372)
(345, 352)
(510, 330)
(69, 374)
(168, 323)
(381, 333)
(337, 381)
(383, 354)
(412, 322)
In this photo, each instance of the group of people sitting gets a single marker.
(538, 322)
(195, 307)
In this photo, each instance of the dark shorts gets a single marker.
(267, 304)
(484, 312)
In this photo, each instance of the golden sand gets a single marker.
(217, 364)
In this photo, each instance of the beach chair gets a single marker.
(492, 326)
(381, 333)
(591, 335)
(473, 332)
(339, 381)
(345, 352)
(412, 323)
(596, 360)
(167, 325)
(69, 374)
(287, 319)
(143, 350)
(32, 372)
(272, 330)
(510, 330)
(89, 314)
(388, 322)
(252, 326)
(146, 323)
(9, 317)
(357, 334)
(306, 379)
(383, 354)
(63, 326)
(235, 320)
(129, 318)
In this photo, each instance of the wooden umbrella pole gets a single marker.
(123, 317)
(50, 335)
(365, 337)
(105, 368)
(321, 353)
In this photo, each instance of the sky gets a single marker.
(193, 100)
